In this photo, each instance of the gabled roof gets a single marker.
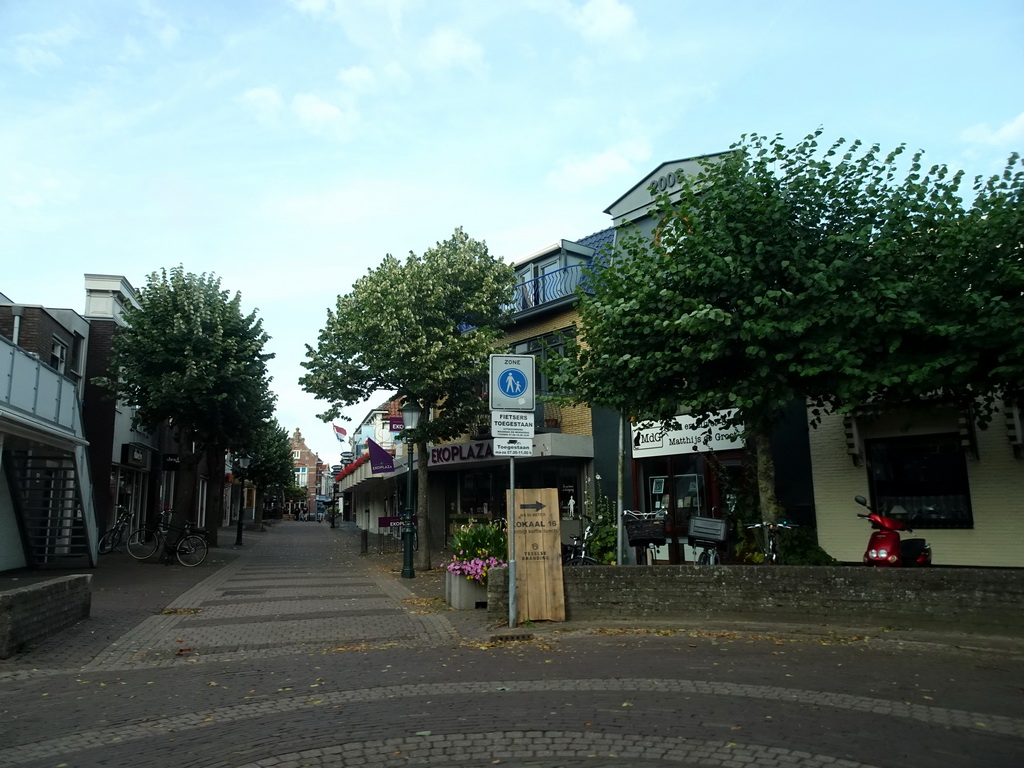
(634, 203)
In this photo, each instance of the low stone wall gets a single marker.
(974, 600)
(35, 611)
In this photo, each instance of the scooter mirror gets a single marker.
(861, 500)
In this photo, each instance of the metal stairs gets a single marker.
(48, 488)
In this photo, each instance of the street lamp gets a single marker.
(410, 420)
(243, 464)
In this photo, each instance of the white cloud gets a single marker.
(602, 21)
(264, 102)
(450, 48)
(323, 118)
(1010, 134)
(610, 24)
(35, 60)
(358, 78)
(34, 51)
(576, 173)
(131, 49)
(159, 23)
(35, 187)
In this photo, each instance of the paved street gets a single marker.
(296, 650)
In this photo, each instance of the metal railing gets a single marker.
(552, 286)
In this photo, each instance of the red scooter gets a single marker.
(885, 547)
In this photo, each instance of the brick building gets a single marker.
(308, 470)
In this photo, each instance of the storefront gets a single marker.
(471, 483)
(688, 471)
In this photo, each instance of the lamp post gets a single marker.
(243, 464)
(410, 420)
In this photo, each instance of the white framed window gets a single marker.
(58, 355)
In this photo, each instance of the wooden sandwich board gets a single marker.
(538, 553)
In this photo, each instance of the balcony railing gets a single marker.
(550, 287)
(558, 285)
(36, 391)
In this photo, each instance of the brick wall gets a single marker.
(575, 420)
(963, 599)
(30, 613)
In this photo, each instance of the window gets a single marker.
(58, 355)
(542, 347)
(296, 455)
(926, 475)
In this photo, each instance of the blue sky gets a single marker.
(288, 145)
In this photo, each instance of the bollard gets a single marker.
(364, 541)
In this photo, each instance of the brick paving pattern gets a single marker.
(296, 650)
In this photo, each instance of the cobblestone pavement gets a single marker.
(296, 650)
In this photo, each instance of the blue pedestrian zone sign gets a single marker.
(512, 382)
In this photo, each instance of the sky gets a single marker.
(287, 146)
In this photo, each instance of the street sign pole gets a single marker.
(512, 387)
(510, 517)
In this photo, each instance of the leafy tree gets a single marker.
(191, 359)
(425, 328)
(790, 273)
(271, 461)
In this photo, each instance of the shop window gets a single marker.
(926, 475)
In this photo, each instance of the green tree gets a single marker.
(790, 273)
(190, 358)
(424, 328)
(271, 461)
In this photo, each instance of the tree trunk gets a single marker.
(188, 475)
(422, 556)
(766, 475)
(214, 494)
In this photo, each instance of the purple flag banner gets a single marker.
(380, 460)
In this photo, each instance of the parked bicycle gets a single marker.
(770, 538)
(645, 532)
(190, 547)
(707, 533)
(578, 552)
(111, 540)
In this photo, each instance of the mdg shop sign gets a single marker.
(654, 441)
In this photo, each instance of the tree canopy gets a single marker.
(820, 274)
(191, 359)
(423, 328)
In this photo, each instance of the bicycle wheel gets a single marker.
(703, 558)
(110, 541)
(583, 561)
(143, 543)
(191, 550)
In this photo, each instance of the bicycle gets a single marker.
(770, 529)
(645, 532)
(707, 533)
(111, 540)
(578, 552)
(190, 549)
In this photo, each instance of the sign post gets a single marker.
(513, 384)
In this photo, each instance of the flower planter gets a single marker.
(464, 594)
